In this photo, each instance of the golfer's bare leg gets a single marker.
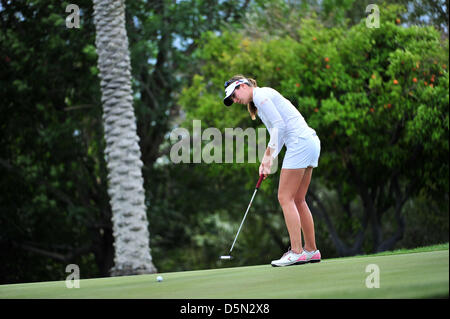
(290, 180)
(306, 218)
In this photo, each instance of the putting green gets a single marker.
(412, 275)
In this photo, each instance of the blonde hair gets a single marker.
(250, 106)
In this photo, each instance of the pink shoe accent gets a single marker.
(316, 257)
(301, 258)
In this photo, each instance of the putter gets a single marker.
(228, 257)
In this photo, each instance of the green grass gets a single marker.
(413, 250)
(418, 273)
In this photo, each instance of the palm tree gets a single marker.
(123, 155)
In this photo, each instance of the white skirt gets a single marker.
(302, 152)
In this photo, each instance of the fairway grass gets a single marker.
(405, 275)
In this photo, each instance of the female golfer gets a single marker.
(286, 127)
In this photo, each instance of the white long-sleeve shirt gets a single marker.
(283, 121)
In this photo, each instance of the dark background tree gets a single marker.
(54, 203)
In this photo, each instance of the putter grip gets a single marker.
(261, 177)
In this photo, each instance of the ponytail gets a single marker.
(251, 106)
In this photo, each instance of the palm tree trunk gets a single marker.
(123, 156)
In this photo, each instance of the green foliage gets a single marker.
(378, 99)
(54, 193)
(53, 172)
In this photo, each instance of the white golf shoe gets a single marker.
(290, 258)
(312, 256)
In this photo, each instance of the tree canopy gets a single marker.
(377, 97)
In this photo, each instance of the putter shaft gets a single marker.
(243, 219)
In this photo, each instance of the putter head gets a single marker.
(226, 257)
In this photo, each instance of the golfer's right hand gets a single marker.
(264, 168)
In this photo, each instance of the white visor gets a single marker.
(230, 89)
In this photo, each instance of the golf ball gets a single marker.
(159, 278)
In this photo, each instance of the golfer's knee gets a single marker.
(285, 199)
(299, 201)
